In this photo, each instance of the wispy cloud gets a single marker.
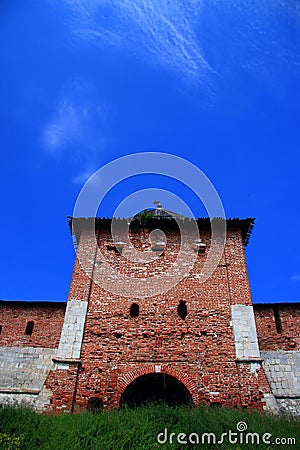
(77, 126)
(295, 277)
(160, 31)
(66, 127)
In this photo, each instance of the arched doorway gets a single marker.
(155, 387)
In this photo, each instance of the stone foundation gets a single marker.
(23, 372)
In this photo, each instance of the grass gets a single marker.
(137, 429)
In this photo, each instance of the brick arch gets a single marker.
(127, 378)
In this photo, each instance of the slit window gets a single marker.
(134, 310)
(29, 328)
(182, 309)
(277, 319)
(0, 329)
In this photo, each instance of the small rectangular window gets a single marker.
(0, 329)
(29, 328)
(277, 319)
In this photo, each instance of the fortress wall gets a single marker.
(26, 354)
(92, 350)
(278, 326)
(47, 318)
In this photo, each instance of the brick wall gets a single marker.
(47, 317)
(199, 351)
(99, 349)
(285, 334)
(278, 330)
(26, 359)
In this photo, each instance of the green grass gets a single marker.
(137, 429)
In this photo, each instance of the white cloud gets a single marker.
(160, 31)
(295, 277)
(65, 127)
(76, 131)
(78, 124)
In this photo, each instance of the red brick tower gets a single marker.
(196, 342)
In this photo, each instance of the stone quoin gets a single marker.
(197, 342)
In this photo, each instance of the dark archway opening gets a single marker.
(156, 387)
(95, 405)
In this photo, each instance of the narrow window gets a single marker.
(277, 319)
(0, 329)
(182, 309)
(29, 328)
(134, 310)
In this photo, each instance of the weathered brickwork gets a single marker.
(26, 359)
(278, 330)
(199, 350)
(47, 318)
(62, 382)
(270, 335)
(220, 349)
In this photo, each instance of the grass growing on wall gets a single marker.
(137, 429)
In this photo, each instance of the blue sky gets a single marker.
(85, 82)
